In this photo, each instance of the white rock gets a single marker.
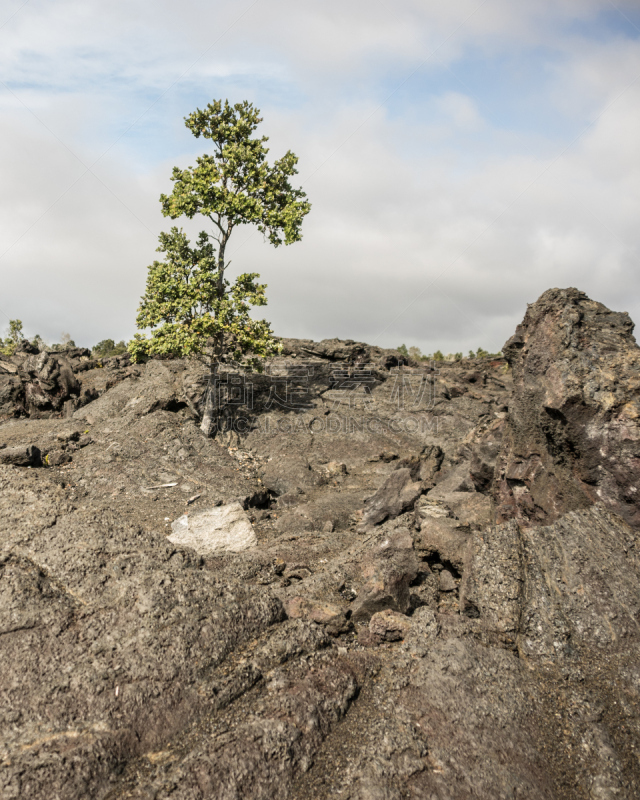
(225, 529)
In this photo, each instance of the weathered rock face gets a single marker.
(42, 384)
(418, 616)
(573, 432)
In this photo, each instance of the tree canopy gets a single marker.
(189, 305)
(14, 336)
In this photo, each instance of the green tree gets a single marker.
(14, 337)
(15, 330)
(39, 342)
(107, 348)
(65, 343)
(189, 305)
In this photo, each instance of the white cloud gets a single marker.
(461, 110)
(431, 224)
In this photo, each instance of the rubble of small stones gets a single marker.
(381, 580)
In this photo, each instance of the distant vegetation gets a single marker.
(107, 348)
(416, 354)
(14, 335)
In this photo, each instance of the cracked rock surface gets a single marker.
(437, 594)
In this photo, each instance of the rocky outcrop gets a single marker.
(572, 436)
(393, 582)
(403, 487)
(44, 383)
(338, 350)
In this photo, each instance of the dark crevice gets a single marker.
(436, 563)
(261, 500)
(175, 406)
(471, 610)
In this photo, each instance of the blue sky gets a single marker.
(460, 158)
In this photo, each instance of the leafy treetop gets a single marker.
(235, 185)
(189, 304)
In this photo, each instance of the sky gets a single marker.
(460, 158)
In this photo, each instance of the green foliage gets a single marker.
(184, 307)
(482, 353)
(39, 342)
(14, 337)
(15, 330)
(108, 348)
(189, 305)
(412, 352)
(416, 354)
(60, 346)
(65, 343)
(235, 185)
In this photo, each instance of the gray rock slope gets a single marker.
(443, 601)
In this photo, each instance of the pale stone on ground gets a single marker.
(225, 529)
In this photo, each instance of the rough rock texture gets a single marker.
(389, 626)
(442, 601)
(573, 432)
(215, 531)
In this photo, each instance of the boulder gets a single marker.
(21, 456)
(337, 350)
(318, 611)
(443, 540)
(396, 495)
(386, 574)
(446, 581)
(226, 529)
(389, 626)
(572, 436)
(484, 451)
(135, 395)
(11, 394)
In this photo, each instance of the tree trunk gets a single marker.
(211, 414)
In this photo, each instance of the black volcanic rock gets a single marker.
(573, 430)
(492, 528)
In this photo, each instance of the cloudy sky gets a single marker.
(461, 157)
